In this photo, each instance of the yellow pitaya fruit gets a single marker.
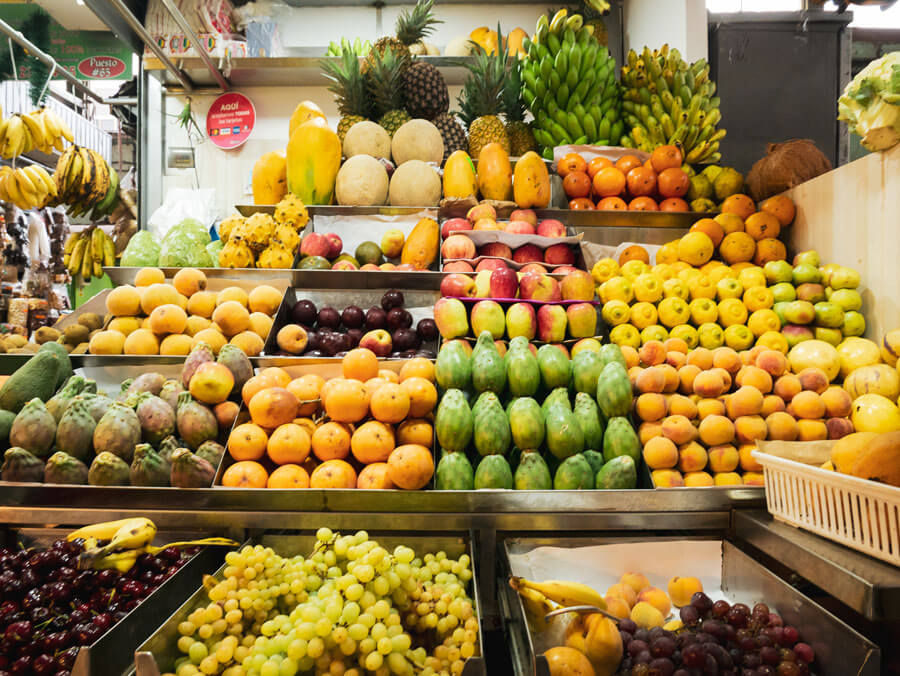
(292, 211)
(285, 237)
(258, 231)
(236, 254)
(274, 256)
(226, 227)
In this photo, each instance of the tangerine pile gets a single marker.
(659, 184)
(370, 428)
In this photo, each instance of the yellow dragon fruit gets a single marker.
(257, 231)
(236, 254)
(227, 226)
(285, 237)
(292, 211)
(275, 257)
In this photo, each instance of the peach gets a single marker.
(701, 357)
(698, 480)
(649, 430)
(787, 386)
(623, 591)
(708, 407)
(637, 581)
(837, 402)
(781, 426)
(676, 359)
(814, 379)
(725, 376)
(660, 453)
(771, 404)
(650, 407)
(723, 458)
(746, 358)
(753, 376)
(686, 376)
(651, 379)
(681, 589)
(726, 358)
(630, 354)
(692, 457)
(746, 401)
(682, 405)
(633, 374)
(672, 379)
(749, 428)
(754, 352)
(657, 598)
(728, 479)
(708, 384)
(716, 430)
(772, 362)
(667, 478)
(807, 405)
(617, 606)
(747, 461)
(676, 345)
(679, 429)
(647, 616)
(754, 479)
(838, 427)
(812, 430)
(652, 352)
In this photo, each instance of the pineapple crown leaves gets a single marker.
(415, 24)
(384, 82)
(483, 91)
(348, 84)
(511, 99)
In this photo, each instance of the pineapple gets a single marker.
(481, 98)
(349, 88)
(292, 211)
(385, 86)
(521, 140)
(411, 27)
(425, 90)
(236, 255)
(452, 132)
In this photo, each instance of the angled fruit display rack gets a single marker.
(582, 381)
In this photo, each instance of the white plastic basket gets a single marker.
(858, 513)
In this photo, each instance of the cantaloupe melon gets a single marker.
(362, 182)
(367, 138)
(417, 140)
(413, 184)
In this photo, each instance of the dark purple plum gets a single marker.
(353, 317)
(304, 312)
(329, 317)
(392, 298)
(427, 329)
(398, 318)
(376, 318)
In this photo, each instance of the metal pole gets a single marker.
(192, 36)
(47, 60)
(148, 40)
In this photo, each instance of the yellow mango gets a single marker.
(459, 175)
(847, 449)
(598, 638)
(305, 111)
(880, 460)
(269, 178)
(421, 246)
(313, 160)
(531, 182)
(494, 173)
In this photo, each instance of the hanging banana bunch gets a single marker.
(86, 252)
(41, 129)
(27, 187)
(86, 182)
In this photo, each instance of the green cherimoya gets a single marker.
(870, 104)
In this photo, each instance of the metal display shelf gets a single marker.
(866, 585)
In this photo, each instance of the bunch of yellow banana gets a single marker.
(41, 129)
(560, 592)
(86, 252)
(85, 182)
(27, 187)
(125, 539)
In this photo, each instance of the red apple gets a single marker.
(457, 246)
(453, 224)
(406, 267)
(370, 266)
(539, 287)
(559, 254)
(504, 283)
(550, 227)
(497, 249)
(520, 228)
(344, 265)
(564, 269)
(458, 285)
(490, 264)
(379, 341)
(529, 253)
(533, 267)
(526, 215)
(335, 245)
(458, 266)
(315, 244)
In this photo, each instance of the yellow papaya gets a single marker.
(459, 175)
(598, 638)
(880, 460)
(531, 182)
(269, 178)
(305, 111)
(421, 246)
(847, 449)
(313, 160)
(494, 173)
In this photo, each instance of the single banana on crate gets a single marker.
(536, 604)
(561, 591)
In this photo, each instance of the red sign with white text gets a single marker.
(230, 120)
(101, 67)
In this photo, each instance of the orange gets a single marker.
(306, 388)
(372, 385)
(627, 162)
(253, 385)
(360, 364)
(674, 204)
(375, 476)
(415, 431)
(247, 442)
(641, 181)
(597, 164)
(372, 442)
(762, 225)
(278, 376)
(333, 474)
(288, 476)
(419, 367)
(245, 474)
(572, 162)
(577, 184)
(781, 207)
(422, 396)
(389, 375)
(148, 276)
(609, 182)
(666, 157)
(411, 466)
(390, 402)
(583, 203)
(346, 401)
(643, 204)
(272, 407)
(288, 444)
(673, 182)
(769, 249)
(612, 204)
(634, 252)
(331, 441)
(730, 222)
(737, 247)
(711, 229)
(738, 204)
(695, 248)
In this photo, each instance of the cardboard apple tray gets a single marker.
(514, 241)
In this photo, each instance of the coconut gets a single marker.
(785, 165)
(367, 138)
(417, 140)
(362, 181)
(415, 184)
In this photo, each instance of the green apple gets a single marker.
(844, 278)
(854, 324)
(780, 308)
(826, 271)
(778, 271)
(729, 287)
(800, 312)
(831, 336)
(829, 315)
(783, 292)
(810, 257)
(848, 299)
(796, 334)
(814, 293)
(806, 273)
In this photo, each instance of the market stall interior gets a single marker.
(473, 342)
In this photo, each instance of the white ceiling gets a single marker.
(72, 15)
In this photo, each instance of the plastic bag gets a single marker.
(180, 204)
(214, 248)
(142, 251)
(184, 251)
